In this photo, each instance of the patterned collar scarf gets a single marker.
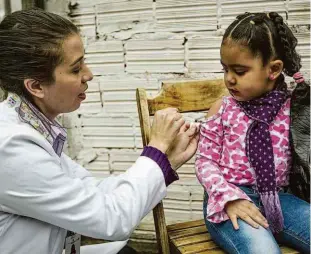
(260, 151)
(52, 131)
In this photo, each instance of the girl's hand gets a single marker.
(165, 127)
(246, 211)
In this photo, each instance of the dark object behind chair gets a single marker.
(300, 141)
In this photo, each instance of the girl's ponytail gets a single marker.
(288, 42)
(299, 111)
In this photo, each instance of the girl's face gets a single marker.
(245, 76)
(71, 77)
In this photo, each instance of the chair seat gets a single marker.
(193, 237)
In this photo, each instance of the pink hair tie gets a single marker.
(298, 77)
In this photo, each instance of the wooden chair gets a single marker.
(189, 96)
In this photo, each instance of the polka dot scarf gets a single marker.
(260, 151)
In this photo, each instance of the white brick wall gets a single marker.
(140, 43)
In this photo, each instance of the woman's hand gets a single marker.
(184, 145)
(165, 127)
(246, 211)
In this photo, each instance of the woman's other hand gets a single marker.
(184, 145)
(165, 127)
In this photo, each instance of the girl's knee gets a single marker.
(265, 247)
(258, 241)
(245, 240)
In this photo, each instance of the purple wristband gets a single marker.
(161, 159)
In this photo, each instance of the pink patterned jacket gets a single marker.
(221, 161)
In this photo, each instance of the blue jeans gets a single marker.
(250, 240)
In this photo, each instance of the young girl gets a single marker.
(244, 156)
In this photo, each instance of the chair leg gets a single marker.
(161, 231)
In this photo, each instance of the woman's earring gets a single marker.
(271, 77)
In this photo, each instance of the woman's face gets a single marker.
(71, 77)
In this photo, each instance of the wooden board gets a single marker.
(184, 225)
(190, 96)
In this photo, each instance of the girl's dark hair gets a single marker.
(31, 47)
(267, 36)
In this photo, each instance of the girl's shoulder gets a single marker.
(219, 107)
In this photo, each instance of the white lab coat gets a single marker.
(42, 195)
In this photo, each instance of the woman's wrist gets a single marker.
(173, 163)
(159, 145)
(161, 159)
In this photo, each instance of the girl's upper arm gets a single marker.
(214, 108)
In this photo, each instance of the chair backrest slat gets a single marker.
(187, 96)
